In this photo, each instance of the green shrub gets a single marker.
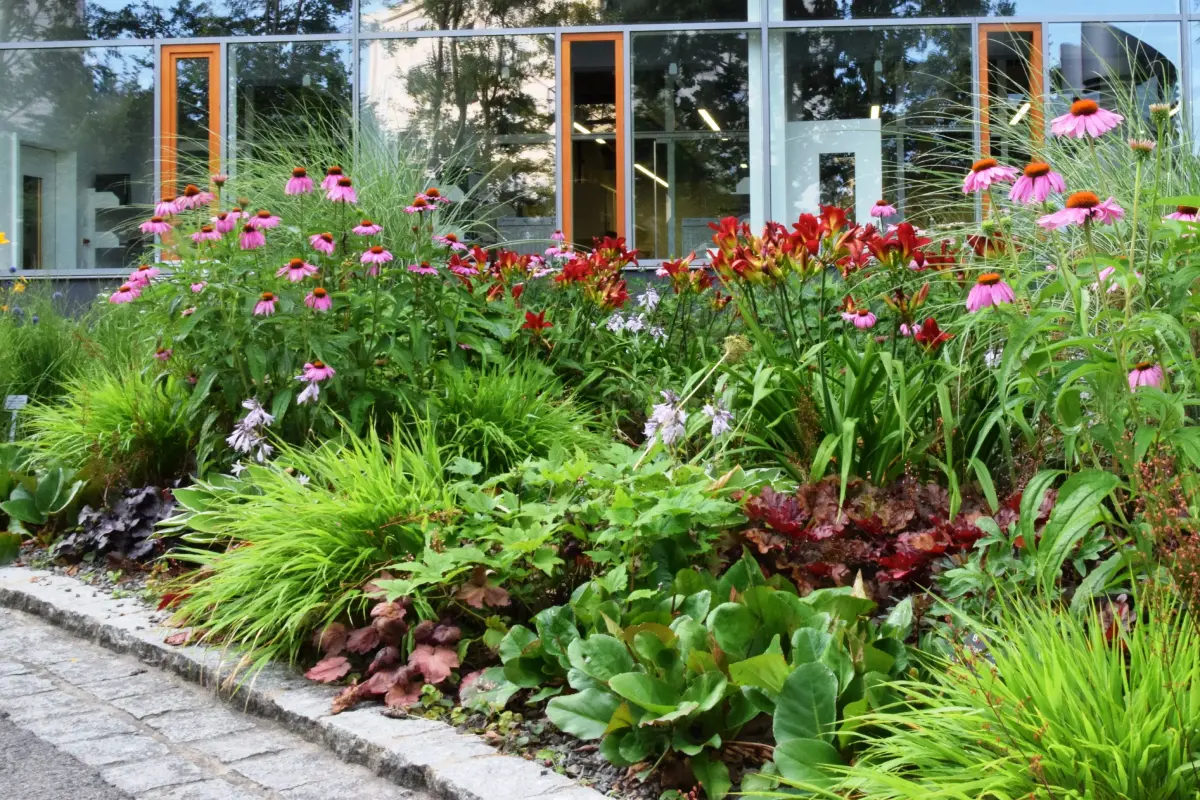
(1062, 705)
(116, 426)
(499, 417)
(303, 540)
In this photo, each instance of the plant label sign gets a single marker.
(14, 403)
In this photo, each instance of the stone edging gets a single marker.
(415, 753)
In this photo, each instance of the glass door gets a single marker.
(1011, 91)
(189, 135)
(592, 115)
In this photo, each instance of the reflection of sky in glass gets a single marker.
(803, 9)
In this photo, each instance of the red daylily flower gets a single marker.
(536, 322)
(930, 336)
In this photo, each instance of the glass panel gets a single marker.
(47, 20)
(865, 114)
(281, 89)
(79, 125)
(431, 15)
(481, 110)
(1124, 66)
(594, 143)
(692, 112)
(1009, 58)
(193, 122)
(885, 9)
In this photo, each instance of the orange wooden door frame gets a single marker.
(566, 128)
(172, 54)
(1037, 85)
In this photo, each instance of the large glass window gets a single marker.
(691, 138)
(76, 155)
(481, 111)
(862, 114)
(45, 20)
(886, 9)
(284, 89)
(1125, 66)
(426, 15)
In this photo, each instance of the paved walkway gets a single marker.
(93, 725)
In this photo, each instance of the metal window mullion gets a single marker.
(976, 106)
(562, 180)
(627, 157)
(764, 89)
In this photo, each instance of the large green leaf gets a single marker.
(1078, 510)
(601, 656)
(21, 506)
(809, 645)
(807, 706)
(805, 760)
(713, 775)
(584, 715)
(734, 626)
(645, 691)
(10, 547)
(767, 671)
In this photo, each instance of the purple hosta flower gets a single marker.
(343, 192)
(264, 220)
(862, 319)
(164, 353)
(1083, 207)
(657, 333)
(198, 287)
(322, 243)
(143, 275)
(207, 233)
(376, 255)
(722, 418)
(992, 358)
(252, 238)
(1085, 118)
(648, 300)
(257, 416)
(1036, 183)
(616, 323)
(984, 173)
(989, 290)
(302, 479)
(311, 393)
(1145, 373)
(299, 183)
(126, 294)
(636, 323)
(883, 209)
(667, 419)
(237, 469)
(249, 433)
(265, 306)
(366, 228)
(424, 268)
(166, 208)
(316, 372)
(296, 270)
(226, 221)
(332, 175)
(319, 300)
(156, 226)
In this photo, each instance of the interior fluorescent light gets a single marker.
(601, 141)
(708, 119)
(581, 129)
(874, 112)
(744, 165)
(1021, 112)
(651, 175)
(1176, 109)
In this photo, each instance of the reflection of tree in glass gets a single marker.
(457, 14)
(192, 121)
(883, 9)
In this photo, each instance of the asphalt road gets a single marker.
(31, 769)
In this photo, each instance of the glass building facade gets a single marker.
(642, 118)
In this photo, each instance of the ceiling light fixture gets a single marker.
(708, 119)
(1021, 112)
(652, 176)
(874, 112)
(580, 128)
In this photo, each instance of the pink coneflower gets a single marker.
(862, 319)
(197, 288)
(985, 172)
(463, 269)
(433, 195)
(206, 234)
(322, 243)
(376, 255)
(264, 220)
(1102, 278)
(331, 177)
(194, 197)
(220, 179)
(1036, 184)
(163, 353)
(226, 221)
(296, 270)
(420, 204)
(317, 372)
(265, 305)
(450, 240)
(908, 330)
(1185, 214)
(422, 269)
(989, 290)
(558, 236)
(319, 300)
(187, 312)
(366, 228)
(126, 294)
(343, 192)
(252, 238)
(141, 276)
(299, 183)
(883, 209)
(156, 225)
(1085, 118)
(1083, 207)
(166, 207)
(1145, 374)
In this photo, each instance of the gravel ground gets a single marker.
(118, 578)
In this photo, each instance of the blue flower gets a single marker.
(12, 269)
(56, 296)
(34, 320)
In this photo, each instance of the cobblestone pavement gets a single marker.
(150, 735)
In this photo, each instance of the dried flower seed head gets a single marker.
(736, 347)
